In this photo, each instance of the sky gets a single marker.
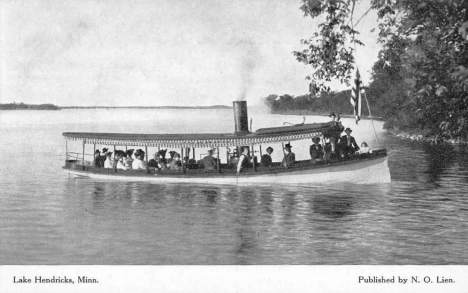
(158, 53)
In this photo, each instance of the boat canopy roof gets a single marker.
(208, 140)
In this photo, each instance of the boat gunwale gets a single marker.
(303, 165)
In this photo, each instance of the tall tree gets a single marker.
(426, 41)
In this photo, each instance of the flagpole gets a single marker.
(372, 120)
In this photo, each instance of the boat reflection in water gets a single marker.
(364, 168)
(216, 224)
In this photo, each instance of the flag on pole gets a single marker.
(356, 96)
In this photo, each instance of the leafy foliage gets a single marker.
(328, 51)
(422, 78)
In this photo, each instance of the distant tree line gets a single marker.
(22, 106)
(325, 103)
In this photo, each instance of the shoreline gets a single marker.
(433, 139)
(37, 108)
(306, 112)
(148, 107)
(413, 136)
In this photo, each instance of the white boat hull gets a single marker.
(359, 172)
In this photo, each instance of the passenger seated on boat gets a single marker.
(100, 159)
(243, 160)
(129, 160)
(159, 160)
(316, 151)
(138, 163)
(348, 145)
(97, 158)
(208, 162)
(119, 157)
(266, 158)
(171, 155)
(109, 163)
(327, 150)
(176, 163)
(289, 156)
(364, 148)
(154, 162)
(333, 138)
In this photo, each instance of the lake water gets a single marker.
(48, 218)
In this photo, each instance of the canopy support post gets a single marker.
(227, 155)
(66, 150)
(146, 156)
(217, 160)
(82, 159)
(94, 155)
(182, 161)
(253, 159)
(284, 157)
(115, 162)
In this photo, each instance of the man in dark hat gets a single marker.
(266, 158)
(348, 145)
(289, 156)
(316, 150)
(332, 116)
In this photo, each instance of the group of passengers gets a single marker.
(288, 157)
(123, 160)
(120, 160)
(333, 148)
(160, 162)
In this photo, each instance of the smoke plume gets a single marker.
(248, 60)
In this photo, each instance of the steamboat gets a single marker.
(368, 168)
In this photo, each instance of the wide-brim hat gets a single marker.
(288, 146)
(269, 148)
(332, 114)
(314, 139)
(104, 150)
(348, 129)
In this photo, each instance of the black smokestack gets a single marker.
(240, 117)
